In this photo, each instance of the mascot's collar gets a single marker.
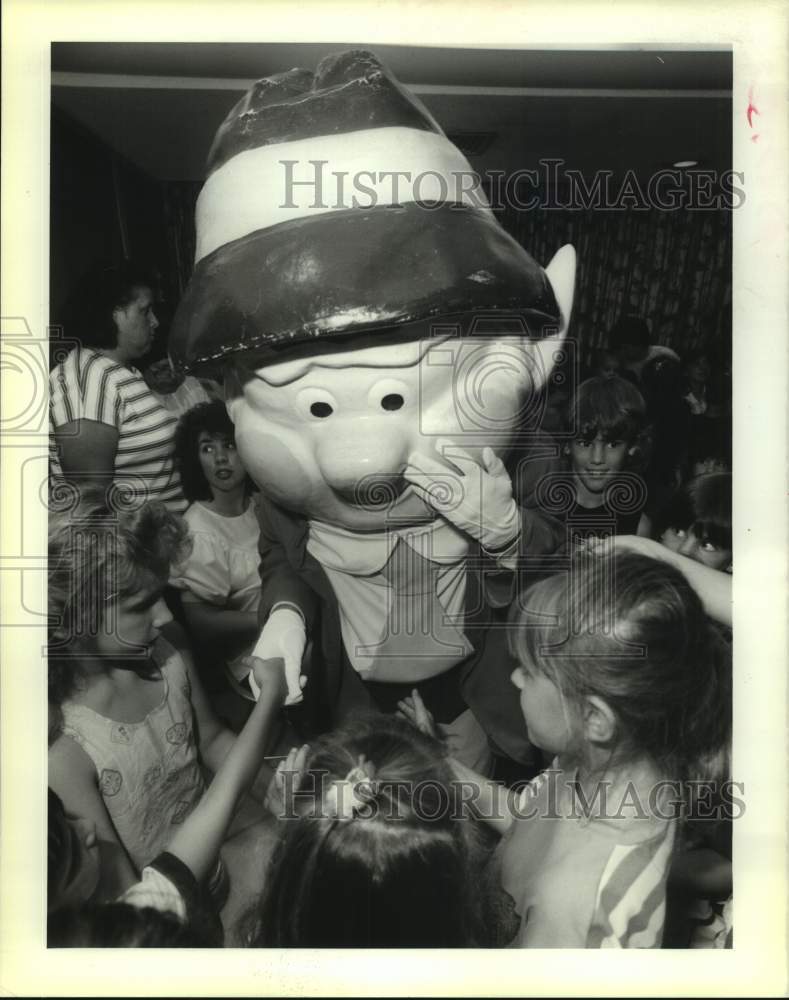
(366, 554)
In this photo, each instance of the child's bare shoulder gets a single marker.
(66, 756)
(96, 695)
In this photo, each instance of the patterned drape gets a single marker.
(179, 212)
(672, 268)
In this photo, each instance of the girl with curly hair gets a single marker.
(135, 728)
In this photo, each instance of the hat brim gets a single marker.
(355, 270)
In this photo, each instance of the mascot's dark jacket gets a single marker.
(481, 681)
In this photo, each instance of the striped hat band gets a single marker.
(335, 204)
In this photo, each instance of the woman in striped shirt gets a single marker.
(107, 427)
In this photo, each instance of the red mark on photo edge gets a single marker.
(752, 110)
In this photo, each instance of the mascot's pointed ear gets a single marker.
(561, 274)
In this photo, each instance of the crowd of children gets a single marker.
(379, 838)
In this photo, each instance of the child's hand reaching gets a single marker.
(631, 543)
(413, 709)
(714, 586)
(271, 675)
(267, 675)
(284, 635)
(286, 781)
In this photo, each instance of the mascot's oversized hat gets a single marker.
(335, 205)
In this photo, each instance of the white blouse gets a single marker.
(223, 567)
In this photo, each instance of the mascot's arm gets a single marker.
(280, 582)
(540, 535)
(536, 459)
(287, 605)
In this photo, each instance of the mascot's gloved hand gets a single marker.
(285, 637)
(477, 499)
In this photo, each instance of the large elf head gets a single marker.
(357, 295)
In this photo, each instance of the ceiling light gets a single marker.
(686, 163)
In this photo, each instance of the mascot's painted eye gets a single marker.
(390, 394)
(316, 402)
(392, 401)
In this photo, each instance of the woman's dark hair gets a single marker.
(96, 553)
(121, 925)
(88, 314)
(611, 407)
(704, 506)
(630, 630)
(403, 871)
(211, 418)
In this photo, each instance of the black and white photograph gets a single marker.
(393, 452)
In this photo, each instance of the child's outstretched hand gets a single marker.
(271, 674)
(286, 781)
(630, 543)
(267, 675)
(413, 709)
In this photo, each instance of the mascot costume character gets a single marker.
(379, 338)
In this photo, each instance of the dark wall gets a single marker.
(672, 267)
(102, 210)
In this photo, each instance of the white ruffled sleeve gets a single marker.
(205, 576)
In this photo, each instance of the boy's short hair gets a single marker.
(609, 406)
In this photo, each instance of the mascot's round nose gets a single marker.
(365, 464)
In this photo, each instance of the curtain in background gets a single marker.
(673, 268)
(180, 198)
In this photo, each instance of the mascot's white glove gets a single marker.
(475, 498)
(285, 637)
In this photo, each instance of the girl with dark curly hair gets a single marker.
(219, 581)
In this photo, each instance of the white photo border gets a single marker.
(758, 963)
